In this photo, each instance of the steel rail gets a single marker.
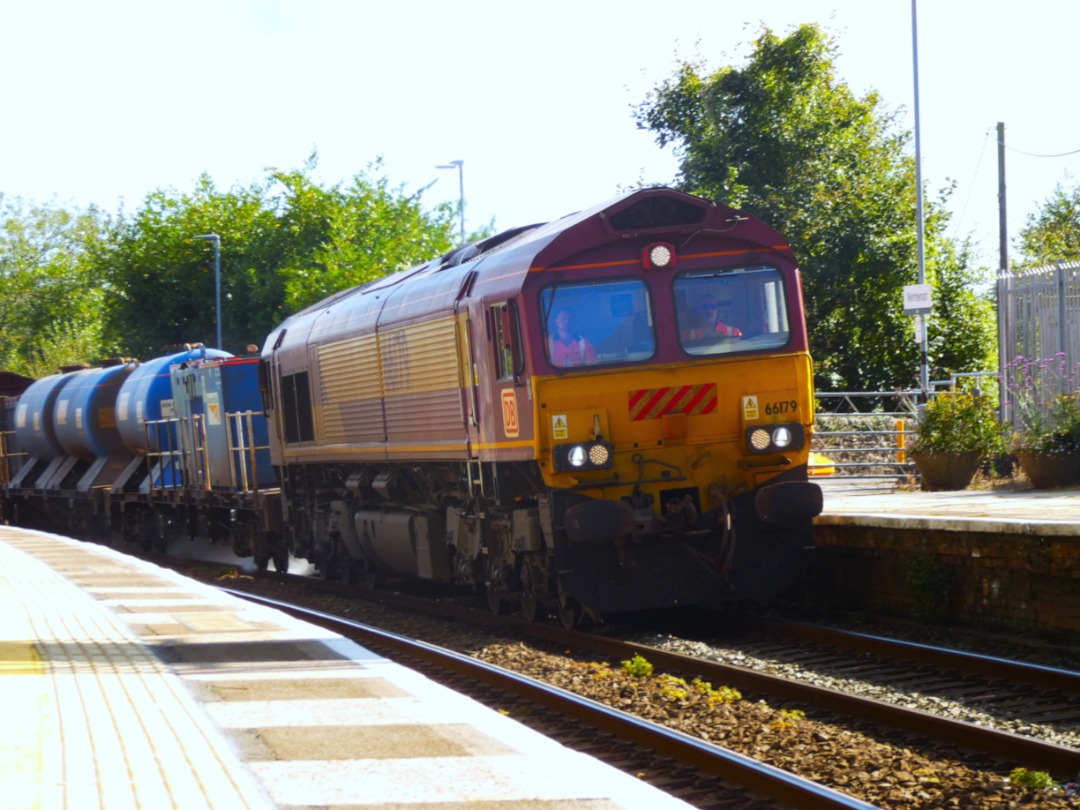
(744, 771)
(1063, 680)
(1028, 751)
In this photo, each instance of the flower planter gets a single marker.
(1046, 470)
(947, 471)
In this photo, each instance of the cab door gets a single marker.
(510, 393)
(469, 369)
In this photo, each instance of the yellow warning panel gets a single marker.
(750, 410)
(559, 427)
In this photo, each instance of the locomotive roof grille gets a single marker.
(658, 212)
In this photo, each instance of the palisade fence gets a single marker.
(1039, 331)
(864, 434)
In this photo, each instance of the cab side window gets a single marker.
(504, 340)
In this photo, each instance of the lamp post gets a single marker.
(924, 367)
(217, 280)
(459, 165)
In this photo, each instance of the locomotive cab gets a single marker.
(674, 411)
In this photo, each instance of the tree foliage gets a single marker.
(345, 235)
(783, 138)
(1052, 233)
(50, 297)
(285, 243)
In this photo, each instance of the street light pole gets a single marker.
(460, 166)
(217, 280)
(924, 367)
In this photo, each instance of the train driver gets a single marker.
(708, 320)
(565, 347)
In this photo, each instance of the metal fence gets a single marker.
(862, 435)
(1039, 331)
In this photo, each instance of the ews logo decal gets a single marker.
(511, 426)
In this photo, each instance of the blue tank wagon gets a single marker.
(35, 432)
(145, 412)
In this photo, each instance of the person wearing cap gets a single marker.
(707, 321)
(565, 347)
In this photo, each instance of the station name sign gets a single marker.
(918, 299)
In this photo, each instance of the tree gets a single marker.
(342, 236)
(162, 280)
(1052, 234)
(784, 139)
(286, 242)
(51, 313)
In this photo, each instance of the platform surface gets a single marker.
(129, 686)
(1011, 510)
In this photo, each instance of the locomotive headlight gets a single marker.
(774, 438)
(658, 255)
(582, 456)
(599, 455)
(759, 439)
(781, 437)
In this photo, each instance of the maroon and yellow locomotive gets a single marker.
(605, 413)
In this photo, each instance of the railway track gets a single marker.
(1025, 694)
(988, 750)
(680, 764)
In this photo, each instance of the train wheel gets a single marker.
(569, 611)
(570, 614)
(496, 600)
(373, 578)
(152, 533)
(532, 607)
(347, 573)
(281, 560)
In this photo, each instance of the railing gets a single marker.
(7, 457)
(166, 463)
(184, 453)
(244, 451)
(863, 434)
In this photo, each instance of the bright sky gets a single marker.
(106, 100)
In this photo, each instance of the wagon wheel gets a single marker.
(280, 556)
(347, 573)
(152, 534)
(373, 578)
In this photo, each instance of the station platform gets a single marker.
(129, 686)
(1013, 511)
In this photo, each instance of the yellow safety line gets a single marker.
(24, 720)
